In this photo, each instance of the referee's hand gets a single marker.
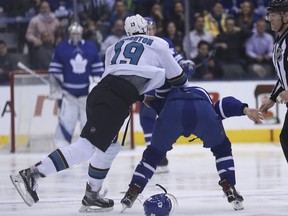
(283, 97)
(266, 105)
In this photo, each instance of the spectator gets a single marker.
(214, 22)
(6, 63)
(178, 16)
(119, 12)
(143, 7)
(230, 50)
(91, 32)
(157, 15)
(118, 33)
(246, 17)
(45, 51)
(207, 70)
(190, 44)
(259, 49)
(44, 21)
(175, 36)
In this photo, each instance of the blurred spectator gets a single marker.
(208, 69)
(157, 15)
(246, 18)
(231, 6)
(44, 53)
(143, 7)
(118, 33)
(178, 16)
(173, 35)
(91, 32)
(230, 50)
(195, 36)
(61, 7)
(259, 51)
(198, 7)
(119, 12)
(214, 22)
(6, 63)
(44, 21)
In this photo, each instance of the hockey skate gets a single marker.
(95, 202)
(130, 197)
(28, 178)
(163, 166)
(232, 195)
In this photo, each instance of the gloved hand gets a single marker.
(188, 67)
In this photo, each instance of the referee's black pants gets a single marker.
(284, 137)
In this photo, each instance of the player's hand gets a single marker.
(188, 67)
(283, 97)
(266, 104)
(254, 114)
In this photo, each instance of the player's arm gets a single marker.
(173, 72)
(230, 106)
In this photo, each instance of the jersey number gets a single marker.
(132, 51)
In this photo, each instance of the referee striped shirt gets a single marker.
(280, 61)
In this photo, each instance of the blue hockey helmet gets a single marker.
(151, 22)
(158, 205)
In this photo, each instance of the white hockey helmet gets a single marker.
(135, 25)
(75, 32)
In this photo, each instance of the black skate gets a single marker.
(28, 178)
(232, 195)
(163, 166)
(130, 197)
(95, 202)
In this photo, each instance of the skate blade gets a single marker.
(124, 207)
(237, 205)
(17, 180)
(93, 209)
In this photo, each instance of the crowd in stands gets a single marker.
(236, 29)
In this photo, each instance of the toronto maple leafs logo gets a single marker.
(78, 64)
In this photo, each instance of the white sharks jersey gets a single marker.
(144, 56)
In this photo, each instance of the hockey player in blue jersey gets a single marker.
(148, 116)
(75, 62)
(187, 111)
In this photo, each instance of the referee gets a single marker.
(277, 15)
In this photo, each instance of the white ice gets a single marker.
(261, 173)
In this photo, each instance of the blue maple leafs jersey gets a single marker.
(76, 64)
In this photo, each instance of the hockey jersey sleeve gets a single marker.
(174, 73)
(276, 91)
(229, 107)
(56, 65)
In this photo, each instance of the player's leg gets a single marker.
(66, 122)
(210, 129)
(284, 137)
(164, 135)
(226, 171)
(99, 166)
(147, 118)
(60, 159)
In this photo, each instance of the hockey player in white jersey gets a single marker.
(133, 66)
(75, 62)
